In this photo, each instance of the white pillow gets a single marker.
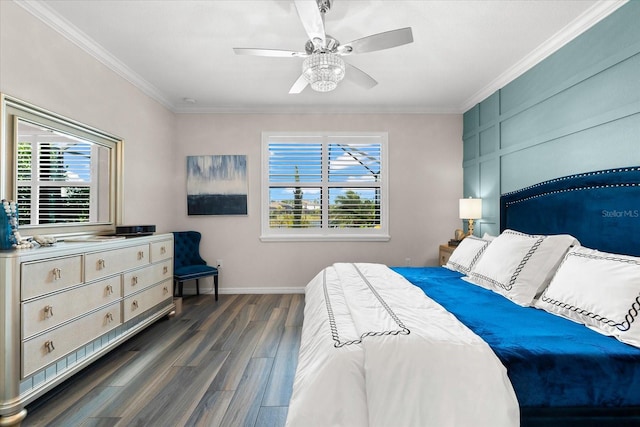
(488, 237)
(598, 289)
(467, 254)
(519, 266)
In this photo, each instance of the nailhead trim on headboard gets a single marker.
(579, 175)
(629, 169)
(546, 208)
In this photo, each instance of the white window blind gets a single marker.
(55, 183)
(324, 186)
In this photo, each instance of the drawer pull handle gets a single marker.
(57, 273)
(140, 254)
(109, 289)
(109, 317)
(134, 280)
(48, 312)
(101, 264)
(165, 290)
(165, 269)
(134, 304)
(48, 345)
(163, 250)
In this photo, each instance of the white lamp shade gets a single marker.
(470, 208)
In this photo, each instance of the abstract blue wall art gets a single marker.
(217, 185)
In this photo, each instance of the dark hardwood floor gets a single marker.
(225, 363)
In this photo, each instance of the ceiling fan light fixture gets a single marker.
(323, 71)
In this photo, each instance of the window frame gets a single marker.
(325, 233)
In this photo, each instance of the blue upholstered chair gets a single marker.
(187, 262)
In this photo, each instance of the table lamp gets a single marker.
(470, 209)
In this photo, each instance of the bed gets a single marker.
(536, 339)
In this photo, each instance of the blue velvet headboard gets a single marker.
(601, 209)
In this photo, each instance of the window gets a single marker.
(329, 186)
(58, 177)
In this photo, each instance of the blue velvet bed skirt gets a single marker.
(553, 363)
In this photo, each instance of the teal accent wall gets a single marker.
(576, 111)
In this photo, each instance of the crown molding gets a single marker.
(314, 109)
(593, 15)
(42, 11)
(586, 20)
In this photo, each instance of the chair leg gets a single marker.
(197, 286)
(215, 285)
(180, 288)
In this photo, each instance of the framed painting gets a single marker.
(217, 185)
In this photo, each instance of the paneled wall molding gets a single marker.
(616, 58)
(576, 111)
(610, 116)
(587, 73)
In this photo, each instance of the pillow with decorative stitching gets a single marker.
(519, 266)
(466, 254)
(598, 289)
(488, 237)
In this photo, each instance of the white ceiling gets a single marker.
(462, 52)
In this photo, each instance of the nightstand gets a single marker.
(445, 253)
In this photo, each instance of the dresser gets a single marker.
(64, 306)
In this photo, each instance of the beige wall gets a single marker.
(40, 66)
(425, 183)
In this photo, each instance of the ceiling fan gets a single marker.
(323, 68)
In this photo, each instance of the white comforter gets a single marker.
(376, 351)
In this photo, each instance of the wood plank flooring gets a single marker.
(225, 363)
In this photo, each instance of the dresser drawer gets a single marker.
(139, 303)
(161, 250)
(44, 349)
(106, 263)
(41, 277)
(136, 280)
(49, 311)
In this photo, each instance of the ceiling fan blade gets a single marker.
(312, 20)
(378, 41)
(299, 85)
(359, 77)
(277, 53)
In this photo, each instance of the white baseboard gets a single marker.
(191, 289)
(261, 290)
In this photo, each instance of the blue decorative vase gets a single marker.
(8, 224)
(6, 234)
